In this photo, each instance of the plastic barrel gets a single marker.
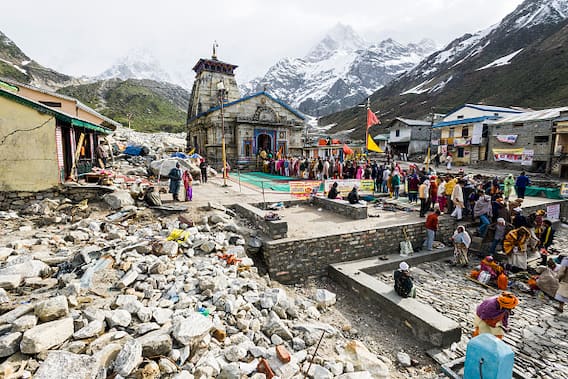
(487, 357)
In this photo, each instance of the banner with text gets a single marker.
(507, 138)
(344, 186)
(303, 189)
(521, 156)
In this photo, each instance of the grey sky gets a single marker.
(85, 38)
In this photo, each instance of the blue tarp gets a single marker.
(133, 150)
(195, 156)
(179, 155)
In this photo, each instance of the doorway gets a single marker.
(264, 142)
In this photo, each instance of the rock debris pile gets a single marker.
(153, 297)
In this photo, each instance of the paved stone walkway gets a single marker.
(538, 333)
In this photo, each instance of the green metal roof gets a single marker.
(50, 111)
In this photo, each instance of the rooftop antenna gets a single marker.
(215, 46)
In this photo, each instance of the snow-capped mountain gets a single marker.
(521, 61)
(520, 28)
(339, 72)
(141, 64)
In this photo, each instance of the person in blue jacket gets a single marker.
(521, 185)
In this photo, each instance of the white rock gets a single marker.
(47, 335)
(118, 199)
(403, 359)
(10, 344)
(169, 248)
(63, 365)
(118, 317)
(10, 281)
(324, 298)
(28, 269)
(94, 328)
(155, 343)
(191, 329)
(235, 353)
(317, 371)
(167, 366)
(207, 246)
(363, 360)
(183, 375)
(52, 309)
(127, 279)
(128, 358)
(356, 375)
(24, 323)
(162, 315)
(144, 314)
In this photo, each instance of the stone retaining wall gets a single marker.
(342, 207)
(273, 229)
(13, 200)
(290, 260)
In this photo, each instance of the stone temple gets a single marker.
(251, 124)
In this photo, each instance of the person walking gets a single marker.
(462, 240)
(492, 315)
(457, 200)
(175, 181)
(562, 292)
(413, 184)
(484, 210)
(431, 225)
(423, 196)
(442, 194)
(508, 185)
(451, 183)
(203, 169)
(521, 185)
(395, 182)
(188, 185)
(449, 160)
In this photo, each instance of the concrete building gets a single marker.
(251, 124)
(530, 139)
(560, 135)
(408, 136)
(40, 146)
(463, 131)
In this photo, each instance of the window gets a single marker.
(460, 117)
(452, 133)
(540, 139)
(460, 152)
(397, 133)
(465, 132)
(518, 124)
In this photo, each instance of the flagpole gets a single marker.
(367, 128)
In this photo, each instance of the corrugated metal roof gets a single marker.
(57, 114)
(411, 122)
(465, 121)
(545, 114)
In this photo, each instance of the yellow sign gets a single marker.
(344, 186)
(303, 189)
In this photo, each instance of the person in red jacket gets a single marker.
(431, 226)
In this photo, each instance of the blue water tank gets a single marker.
(487, 357)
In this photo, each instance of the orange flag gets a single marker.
(372, 118)
(347, 150)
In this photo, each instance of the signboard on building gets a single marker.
(344, 186)
(507, 138)
(303, 189)
(564, 190)
(521, 156)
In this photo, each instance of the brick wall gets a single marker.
(291, 260)
(273, 229)
(20, 200)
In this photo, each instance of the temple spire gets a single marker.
(215, 46)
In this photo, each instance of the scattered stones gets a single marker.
(128, 358)
(47, 335)
(10, 344)
(63, 365)
(191, 329)
(52, 309)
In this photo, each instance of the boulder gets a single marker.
(10, 344)
(324, 298)
(44, 336)
(52, 309)
(155, 343)
(118, 317)
(28, 269)
(63, 364)
(118, 199)
(94, 328)
(363, 360)
(191, 329)
(403, 359)
(24, 323)
(128, 358)
(10, 281)
(169, 248)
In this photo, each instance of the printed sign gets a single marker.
(303, 189)
(553, 212)
(507, 138)
(344, 186)
(522, 156)
(527, 157)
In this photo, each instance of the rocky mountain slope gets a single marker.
(340, 71)
(522, 61)
(152, 105)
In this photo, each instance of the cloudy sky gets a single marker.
(86, 37)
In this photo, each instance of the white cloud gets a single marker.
(85, 38)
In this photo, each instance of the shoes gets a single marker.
(560, 310)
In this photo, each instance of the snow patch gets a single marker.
(15, 66)
(503, 61)
(421, 88)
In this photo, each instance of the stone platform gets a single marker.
(423, 321)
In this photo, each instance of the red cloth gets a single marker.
(372, 118)
(432, 221)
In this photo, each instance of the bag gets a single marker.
(484, 277)
(502, 282)
(406, 248)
